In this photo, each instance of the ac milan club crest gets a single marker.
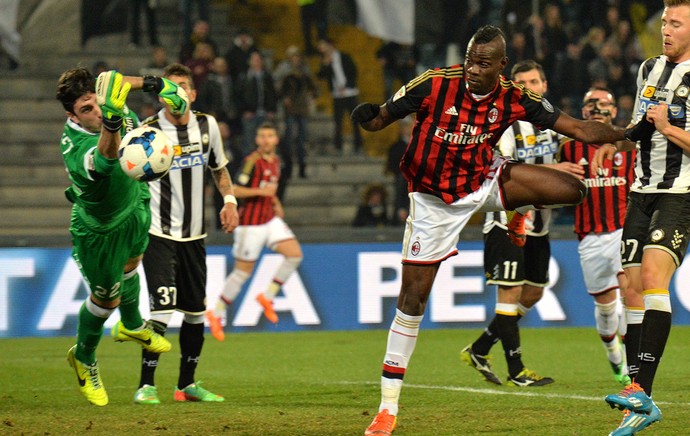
(416, 248)
(493, 115)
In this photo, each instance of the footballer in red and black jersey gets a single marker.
(603, 210)
(451, 148)
(257, 172)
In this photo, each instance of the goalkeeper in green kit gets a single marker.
(110, 213)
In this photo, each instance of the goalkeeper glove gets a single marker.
(642, 130)
(365, 112)
(172, 94)
(111, 94)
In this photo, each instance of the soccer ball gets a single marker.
(146, 154)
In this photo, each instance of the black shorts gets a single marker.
(655, 220)
(508, 265)
(176, 275)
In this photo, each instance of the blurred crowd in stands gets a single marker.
(579, 43)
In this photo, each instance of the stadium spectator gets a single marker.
(157, 62)
(313, 13)
(186, 15)
(10, 39)
(257, 99)
(216, 95)
(451, 123)
(340, 71)
(261, 225)
(239, 52)
(520, 287)
(599, 226)
(656, 221)
(200, 33)
(399, 62)
(297, 93)
(396, 151)
(201, 63)
(175, 260)
(149, 7)
(110, 217)
(373, 210)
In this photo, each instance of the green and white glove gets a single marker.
(111, 94)
(173, 95)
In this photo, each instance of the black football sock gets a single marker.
(191, 343)
(656, 327)
(510, 338)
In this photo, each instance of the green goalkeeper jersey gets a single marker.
(102, 193)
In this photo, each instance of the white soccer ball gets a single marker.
(146, 154)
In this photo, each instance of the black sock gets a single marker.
(149, 360)
(509, 333)
(632, 348)
(656, 327)
(191, 342)
(487, 339)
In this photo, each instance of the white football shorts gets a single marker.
(250, 240)
(432, 230)
(600, 258)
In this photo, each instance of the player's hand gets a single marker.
(229, 218)
(365, 112)
(658, 114)
(642, 130)
(571, 168)
(603, 153)
(111, 94)
(174, 96)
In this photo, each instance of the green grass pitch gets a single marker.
(317, 383)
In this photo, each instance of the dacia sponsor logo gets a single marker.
(537, 151)
(674, 111)
(190, 161)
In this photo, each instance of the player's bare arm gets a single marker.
(591, 132)
(269, 190)
(278, 207)
(229, 218)
(221, 177)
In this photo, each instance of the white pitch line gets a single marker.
(498, 392)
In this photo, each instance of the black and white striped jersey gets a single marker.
(177, 200)
(526, 143)
(662, 166)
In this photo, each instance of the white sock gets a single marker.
(233, 286)
(402, 338)
(607, 322)
(285, 270)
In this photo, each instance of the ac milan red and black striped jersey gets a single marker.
(451, 148)
(177, 200)
(257, 171)
(603, 210)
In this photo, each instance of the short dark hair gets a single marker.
(527, 65)
(72, 85)
(177, 69)
(602, 88)
(267, 125)
(488, 33)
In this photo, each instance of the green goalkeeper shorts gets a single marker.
(102, 256)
